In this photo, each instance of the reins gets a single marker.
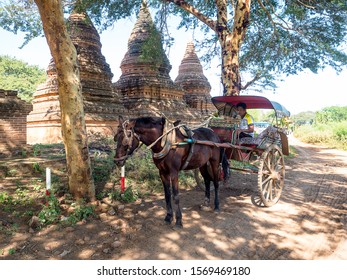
(178, 126)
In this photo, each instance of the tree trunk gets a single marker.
(74, 131)
(231, 43)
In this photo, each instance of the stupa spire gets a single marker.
(193, 81)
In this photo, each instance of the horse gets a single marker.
(172, 152)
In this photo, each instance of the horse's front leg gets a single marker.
(207, 181)
(174, 183)
(167, 192)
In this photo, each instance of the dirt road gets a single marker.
(309, 222)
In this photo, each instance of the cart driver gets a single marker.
(246, 128)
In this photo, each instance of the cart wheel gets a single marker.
(200, 181)
(271, 175)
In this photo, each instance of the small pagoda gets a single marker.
(145, 84)
(194, 83)
(101, 105)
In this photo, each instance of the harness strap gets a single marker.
(163, 135)
(191, 150)
(167, 138)
(163, 153)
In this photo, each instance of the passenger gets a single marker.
(246, 128)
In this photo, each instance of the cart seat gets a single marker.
(253, 146)
(266, 138)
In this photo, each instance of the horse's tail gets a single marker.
(225, 164)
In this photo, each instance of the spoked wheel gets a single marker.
(271, 175)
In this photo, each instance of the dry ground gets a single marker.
(309, 222)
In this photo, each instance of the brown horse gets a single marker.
(171, 156)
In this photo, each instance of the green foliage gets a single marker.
(5, 199)
(333, 135)
(304, 118)
(284, 37)
(81, 212)
(37, 168)
(331, 114)
(129, 195)
(141, 170)
(19, 15)
(19, 198)
(11, 251)
(18, 75)
(50, 212)
(340, 131)
(152, 50)
(102, 167)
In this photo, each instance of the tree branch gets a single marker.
(195, 12)
(268, 15)
(249, 83)
(307, 6)
(222, 15)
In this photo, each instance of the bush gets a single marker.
(340, 131)
(50, 212)
(332, 135)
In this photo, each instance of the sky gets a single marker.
(303, 92)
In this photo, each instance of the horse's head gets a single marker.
(127, 141)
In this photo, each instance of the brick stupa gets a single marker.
(101, 105)
(194, 83)
(145, 84)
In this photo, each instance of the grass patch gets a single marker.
(331, 135)
(27, 198)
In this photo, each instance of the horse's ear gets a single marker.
(176, 123)
(120, 119)
(163, 120)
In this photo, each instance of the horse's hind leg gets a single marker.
(207, 180)
(215, 170)
(216, 195)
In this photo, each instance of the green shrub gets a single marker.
(81, 212)
(50, 212)
(340, 131)
(332, 135)
(129, 195)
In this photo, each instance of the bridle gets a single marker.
(128, 140)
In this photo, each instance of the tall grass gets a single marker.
(332, 135)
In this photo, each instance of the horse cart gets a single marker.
(263, 154)
(175, 147)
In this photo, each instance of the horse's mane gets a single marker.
(148, 121)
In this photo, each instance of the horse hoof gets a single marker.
(217, 211)
(179, 225)
(168, 220)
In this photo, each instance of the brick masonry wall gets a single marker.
(13, 113)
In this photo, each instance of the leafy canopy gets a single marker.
(284, 37)
(18, 75)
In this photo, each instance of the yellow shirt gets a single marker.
(246, 122)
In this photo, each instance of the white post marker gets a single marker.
(122, 178)
(48, 181)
